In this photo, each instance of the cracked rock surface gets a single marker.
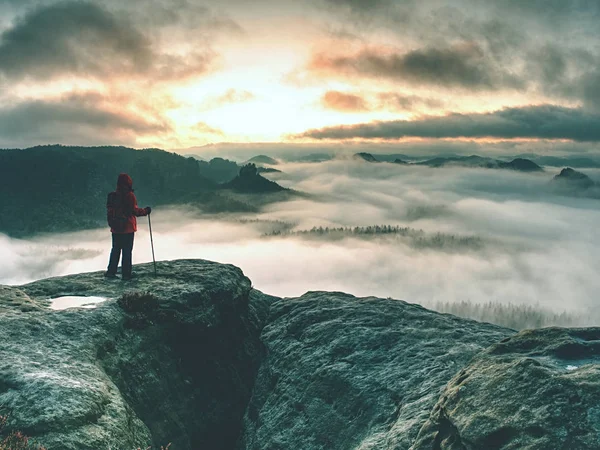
(198, 358)
(355, 373)
(539, 389)
(177, 365)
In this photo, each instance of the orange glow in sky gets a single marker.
(120, 73)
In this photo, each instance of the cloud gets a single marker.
(534, 122)
(180, 18)
(460, 66)
(85, 39)
(388, 101)
(590, 86)
(340, 101)
(360, 6)
(235, 96)
(231, 96)
(72, 37)
(546, 49)
(553, 10)
(204, 128)
(550, 64)
(84, 119)
(406, 102)
(546, 13)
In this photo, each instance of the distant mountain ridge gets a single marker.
(56, 188)
(576, 161)
(366, 157)
(518, 164)
(250, 181)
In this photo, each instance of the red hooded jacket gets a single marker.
(125, 188)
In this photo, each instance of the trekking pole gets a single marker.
(152, 243)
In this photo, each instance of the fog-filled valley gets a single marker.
(495, 245)
(282, 225)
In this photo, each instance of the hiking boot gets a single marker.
(128, 277)
(110, 275)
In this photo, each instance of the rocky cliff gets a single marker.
(197, 357)
(169, 359)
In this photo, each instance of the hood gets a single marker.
(124, 183)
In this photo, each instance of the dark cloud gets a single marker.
(461, 66)
(86, 39)
(549, 64)
(360, 5)
(341, 101)
(536, 122)
(179, 15)
(590, 89)
(74, 119)
(555, 11)
(72, 37)
(570, 74)
(542, 47)
(548, 12)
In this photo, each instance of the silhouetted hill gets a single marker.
(573, 183)
(392, 157)
(56, 188)
(365, 157)
(522, 165)
(263, 159)
(573, 178)
(249, 181)
(566, 161)
(313, 157)
(519, 164)
(219, 170)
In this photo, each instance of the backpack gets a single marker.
(115, 213)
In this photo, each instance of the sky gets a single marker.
(176, 74)
(536, 248)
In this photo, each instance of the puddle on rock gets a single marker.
(66, 302)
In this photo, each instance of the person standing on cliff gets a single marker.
(121, 211)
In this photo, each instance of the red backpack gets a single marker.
(115, 212)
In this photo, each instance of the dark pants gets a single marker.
(121, 243)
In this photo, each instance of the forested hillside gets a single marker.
(56, 188)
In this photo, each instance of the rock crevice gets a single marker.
(169, 359)
(197, 357)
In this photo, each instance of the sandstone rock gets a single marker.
(536, 390)
(106, 378)
(197, 357)
(355, 373)
(13, 300)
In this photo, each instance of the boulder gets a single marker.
(539, 389)
(355, 373)
(170, 358)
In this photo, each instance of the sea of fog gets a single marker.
(536, 248)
